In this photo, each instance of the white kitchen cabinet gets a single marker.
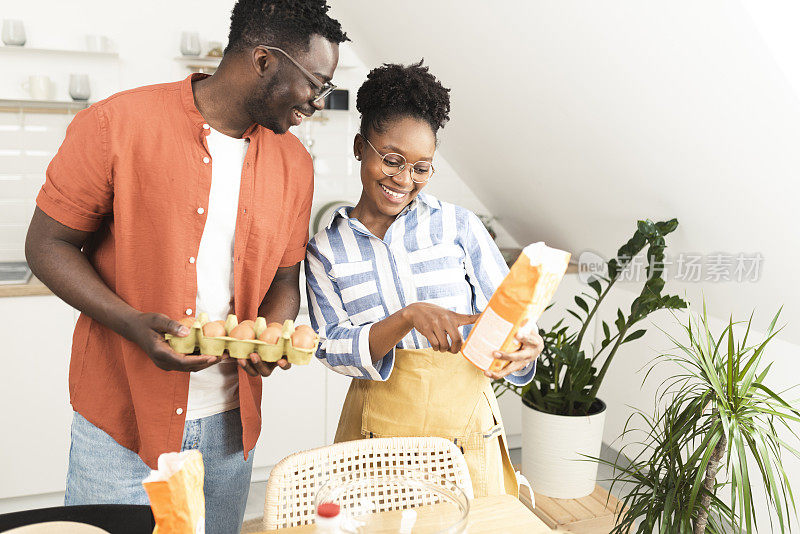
(292, 411)
(36, 415)
(336, 390)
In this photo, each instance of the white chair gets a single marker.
(294, 481)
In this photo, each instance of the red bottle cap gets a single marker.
(328, 509)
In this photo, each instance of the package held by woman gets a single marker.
(516, 305)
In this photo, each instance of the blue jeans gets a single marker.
(101, 471)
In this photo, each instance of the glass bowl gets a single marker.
(402, 501)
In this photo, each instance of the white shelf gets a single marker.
(205, 64)
(199, 61)
(42, 105)
(206, 60)
(52, 51)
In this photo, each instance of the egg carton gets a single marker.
(242, 348)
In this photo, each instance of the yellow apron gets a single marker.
(440, 394)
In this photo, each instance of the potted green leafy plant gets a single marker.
(562, 417)
(717, 430)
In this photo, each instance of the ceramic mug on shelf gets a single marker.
(79, 87)
(190, 44)
(13, 32)
(39, 87)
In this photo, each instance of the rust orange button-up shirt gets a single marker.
(135, 170)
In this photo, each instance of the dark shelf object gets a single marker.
(338, 99)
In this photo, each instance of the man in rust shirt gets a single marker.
(161, 200)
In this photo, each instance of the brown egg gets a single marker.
(244, 330)
(188, 322)
(304, 337)
(214, 329)
(272, 333)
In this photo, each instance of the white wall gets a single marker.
(776, 24)
(33, 388)
(573, 119)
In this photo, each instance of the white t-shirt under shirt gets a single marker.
(216, 389)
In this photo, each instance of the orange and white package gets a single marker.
(516, 305)
(176, 493)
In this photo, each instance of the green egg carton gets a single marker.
(297, 355)
(270, 352)
(185, 345)
(214, 346)
(238, 348)
(284, 348)
(242, 348)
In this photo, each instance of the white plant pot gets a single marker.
(552, 449)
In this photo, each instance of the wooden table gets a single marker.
(487, 515)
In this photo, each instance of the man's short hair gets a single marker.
(286, 24)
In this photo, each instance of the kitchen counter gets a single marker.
(32, 289)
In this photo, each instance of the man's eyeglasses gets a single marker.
(393, 164)
(323, 89)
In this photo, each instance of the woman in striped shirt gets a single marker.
(395, 283)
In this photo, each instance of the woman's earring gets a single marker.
(358, 158)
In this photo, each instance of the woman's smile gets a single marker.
(394, 195)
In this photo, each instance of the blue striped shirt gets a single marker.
(433, 252)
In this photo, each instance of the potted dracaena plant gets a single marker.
(717, 430)
(562, 417)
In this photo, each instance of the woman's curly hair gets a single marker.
(393, 91)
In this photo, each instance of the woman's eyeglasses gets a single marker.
(393, 164)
